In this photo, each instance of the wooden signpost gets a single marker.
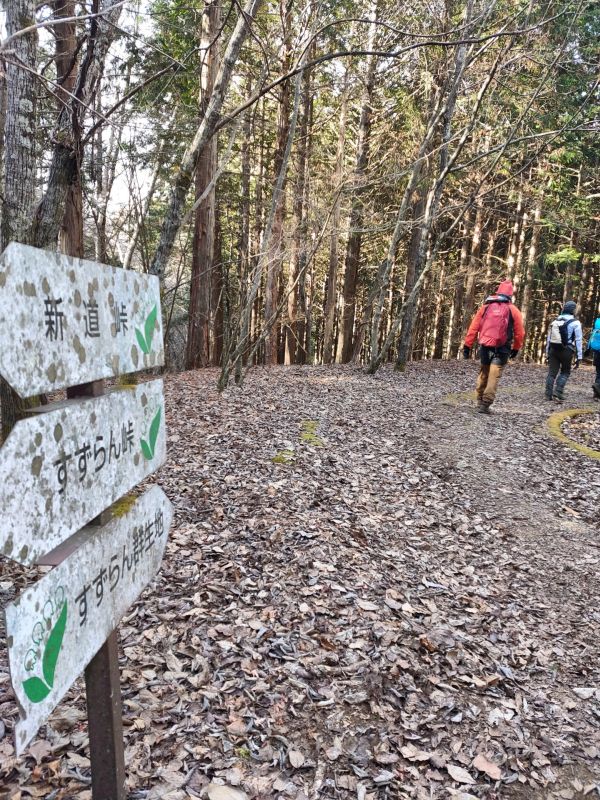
(64, 323)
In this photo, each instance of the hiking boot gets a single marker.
(548, 397)
(483, 408)
(558, 397)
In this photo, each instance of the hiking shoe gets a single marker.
(548, 397)
(558, 398)
(483, 408)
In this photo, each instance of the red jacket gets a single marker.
(506, 289)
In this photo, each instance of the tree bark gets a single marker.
(357, 211)
(244, 258)
(531, 259)
(331, 290)
(220, 296)
(296, 328)
(274, 252)
(513, 244)
(439, 325)
(71, 230)
(21, 123)
(474, 268)
(19, 185)
(203, 247)
(490, 252)
(455, 333)
(412, 272)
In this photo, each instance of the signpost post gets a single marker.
(73, 323)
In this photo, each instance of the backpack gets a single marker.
(496, 324)
(559, 331)
(594, 343)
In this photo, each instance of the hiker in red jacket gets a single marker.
(498, 326)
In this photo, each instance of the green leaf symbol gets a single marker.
(36, 690)
(141, 341)
(146, 450)
(149, 447)
(53, 646)
(154, 428)
(145, 338)
(149, 327)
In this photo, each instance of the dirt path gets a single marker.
(370, 592)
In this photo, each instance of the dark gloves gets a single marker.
(466, 352)
(514, 354)
(576, 365)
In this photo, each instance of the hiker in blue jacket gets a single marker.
(565, 339)
(594, 346)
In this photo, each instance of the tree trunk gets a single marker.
(143, 210)
(439, 325)
(490, 254)
(65, 36)
(513, 244)
(474, 268)
(19, 186)
(243, 245)
(520, 254)
(531, 259)
(455, 332)
(357, 211)
(199, 317)
(19, 142)
(275, 244)
(294, 344)
(220, 296)
(331, 291)
(3, 95)
(411, 276)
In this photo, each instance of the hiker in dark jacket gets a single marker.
(564, 341)
(498, 326)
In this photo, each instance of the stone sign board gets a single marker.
(70, 321)
(62, 468)
(56, 627)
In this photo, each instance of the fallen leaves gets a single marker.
(369, 620)
(482, 764)
(215, 791)
(296, 758)
(459, 774)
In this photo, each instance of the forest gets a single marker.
(333, 182)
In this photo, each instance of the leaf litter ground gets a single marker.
(370, 591)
